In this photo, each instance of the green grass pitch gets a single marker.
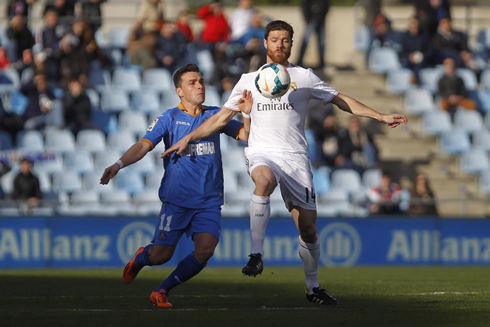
(369, 296)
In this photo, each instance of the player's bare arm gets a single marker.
(134, 153)
(355, 107)
(245, 105)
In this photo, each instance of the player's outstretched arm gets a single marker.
(355, 107)
(209, 127)
(134, 153)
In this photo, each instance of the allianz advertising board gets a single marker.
(111, 242)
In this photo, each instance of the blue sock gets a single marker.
(142, 259)
(186, 269)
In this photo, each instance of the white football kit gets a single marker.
(277, 132)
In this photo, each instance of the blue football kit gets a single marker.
(192, 186)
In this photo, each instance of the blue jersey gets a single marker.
(194, 179)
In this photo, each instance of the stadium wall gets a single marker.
(62, 242)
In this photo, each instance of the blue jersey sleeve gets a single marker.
(157, 130)
(232, 128)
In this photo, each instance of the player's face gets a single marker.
(278, 45)
(192, 88)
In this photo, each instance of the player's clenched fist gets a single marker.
(109, 173)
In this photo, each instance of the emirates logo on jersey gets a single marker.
(274, 106)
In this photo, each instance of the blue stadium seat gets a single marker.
(485, 79)
(474, 161)
(147, 203)
(347, 180)
(382, 60)
(91, 181)
(483, 100)
(94, 97)
(120, 141)
(129, 181)
(145, 101)
(117, 57)
(59, 141)
(105, 158)
(79, 162)
(469, 78)
(157, 79)
(5, 141)
(372, 178)
(170, 99)
(205, 62)
(86, 198)
(481, 140)
(321, 180)
(212, 97)
(436, 122)
(417, 101)
(99, 80)
(7, 180)
(91, 140)
(483, 38)
(399, 81)
(9, 80)
(455, 141)
(484, 181)
(146, 165)
(101, 38)
(30, 141)
(50, 165)
(430, 78)
(66, 182)
(487, 121)
(126, 79)
(18, 102)
(107, 122)
(336, 203)
(132, 121)
(114, 101)
(362, 38)
(153, 180)
(468, 120)
(117, 202)
(118, 37)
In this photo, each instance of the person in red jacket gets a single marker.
(216, 27)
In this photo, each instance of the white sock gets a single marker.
(260, 212)
(310, 255)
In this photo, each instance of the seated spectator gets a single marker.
(182, 24)
(216, 27)
(19, 7)
(135, 34)
(328, 142)
(92, 13)
(4, 60)
(256, 30)
(143, 55)
(240, 20)
(26, 186)
(20, 36)
(77, 108)
(417, 51)
(151, 15)
(72, 64)
(452, 90)
(386, 199)
(422, 198)
(50, 34)
(41, 109)
(171, 47)
(64, 8)
(430, 13)
(453, 44)
(357, 146)
(87, 43)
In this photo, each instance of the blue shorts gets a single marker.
(175, 220)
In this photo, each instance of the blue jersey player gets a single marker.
(191, 190)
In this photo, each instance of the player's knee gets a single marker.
(308, 233)
(264, 185)
(204, 254)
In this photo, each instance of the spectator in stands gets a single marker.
(41, 109)
(430, 13)
(357, 146)
(49, 35)
(77, 108)
(216, 27)
(171, 47)
(20, 37)
(182, 24)
(87, 43)
(385, 199)
(314, 14)
(143, 55)
(92, 13)
(64, 8)
(135, 34)
(72, 64)
(454, 44)
(4, 60)
(373, 9)
(328, 142)
(240, 19)
(422, 198)
(27, 186)
(452, 90)
(256, 30)
(151, 15)
(417, 51)
(19, 7)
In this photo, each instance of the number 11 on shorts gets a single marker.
(167, 226)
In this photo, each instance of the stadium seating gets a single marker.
(436, 122)
(347, 180)
(336, 203)
(481, 140)
(105, 159)
(91, 140)
(114, 101)
(485, 79)
(117, 202)
(399, 81)
(153, 180)
(468, 120)
(10, 80)
(157, 79)
(430, 78)
(455, 141)
(145, 165)
(417, 101)
(484, 100)
(7, 180)
(100, 80)
(382, 60)
(66, 182)
(205, 62)
(59, 141)
(5, 141)
(170, 99)
(50, 165)
(133, 122)
(321, 180)
(118, 36)
(91, 182)
(79, 162)
(372, 178)
(362, 38)
(126, 79)
(469, 78)
(146, 101)
(107, 122)
(212, 97)
(474, 161)
(120, 141)
(17, 103)
(129, 181)
(484, 181)
(30, 142)
(94, 97)
(147, 203)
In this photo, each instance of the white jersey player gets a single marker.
(277, 152)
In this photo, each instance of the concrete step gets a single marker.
(463, 208)
(404, 149)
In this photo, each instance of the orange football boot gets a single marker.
(130, 271)
(160, 299)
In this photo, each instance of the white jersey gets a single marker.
(279, 124)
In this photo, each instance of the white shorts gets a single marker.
(292, 172)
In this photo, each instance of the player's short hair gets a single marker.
(181, 71)
(278, 25)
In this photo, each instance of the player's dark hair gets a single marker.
(278, 25)
(181, 71)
